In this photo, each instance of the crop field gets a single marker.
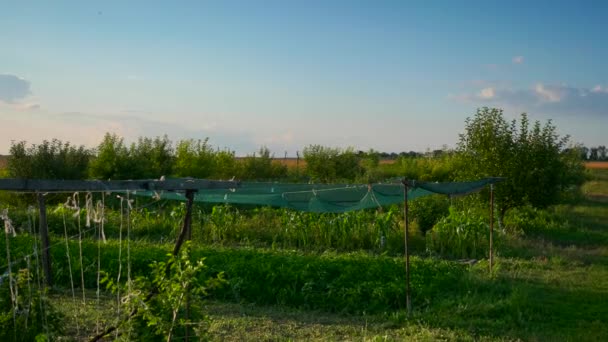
(298, 276)
(118, 270)
(597, 165)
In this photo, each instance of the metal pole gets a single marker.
(491, 226)
(44, 239)
(408, 302)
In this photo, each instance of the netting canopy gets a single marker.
(325, 198)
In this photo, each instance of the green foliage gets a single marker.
(427, 211)
(537, 166)
(112, 160)
(462, 234)
(280, 228)
(534, 222)
(177, 283)
(353, 282)
(260, 166)
(439, 167)
(328, 164)
(26, 312)
(198, 159)
(49, 160)
(152, 158)
(146, 159)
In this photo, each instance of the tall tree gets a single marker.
(534, 159)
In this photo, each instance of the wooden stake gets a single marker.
(408, 302)
(44, 239)
(185, 232)
(188, 229)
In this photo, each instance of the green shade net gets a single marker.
(325, 198)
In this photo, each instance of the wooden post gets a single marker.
(491, 226)
(298, 164)
(408, 302)
(185, 232)
(188, 229)
(44, 239)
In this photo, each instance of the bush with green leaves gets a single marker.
(49, 160)
(427, 211)
(260, 166)
(146, 159)
(461, 234)
(328, 164)
(175, 308)
(26, 312)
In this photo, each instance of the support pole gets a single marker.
(491, 226)
(44, 239)
(185, 232)
(408, 302)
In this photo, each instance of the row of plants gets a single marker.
(338, 282)
(438, 226)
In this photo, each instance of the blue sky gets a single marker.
(388, 75)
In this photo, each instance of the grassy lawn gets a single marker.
(552, 287)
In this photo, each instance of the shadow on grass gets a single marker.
(523, 309)
(481, 308)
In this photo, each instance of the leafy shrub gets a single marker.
(354, 282)
(535, 222)
(427, 211)
(177, 283)
(260, 166)
(550, 224)
(26, 313)
(49, 160)
(328, 164)
(462, 234)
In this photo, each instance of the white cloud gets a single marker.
(518, 60)
(487, 93)
(20, 107)
(13, 88)
(543, 98)
(549, 93)
(599, 89)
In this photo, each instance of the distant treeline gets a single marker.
(599, 153)
(151, 158)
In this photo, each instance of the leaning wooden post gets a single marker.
(186, 234)
(491, 226)
(44, 239)
(408, 302)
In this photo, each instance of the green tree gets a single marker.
(198, 159)
(145, 159)
(151, 158)
(112, 160)
(328, 164)
(48, 160)
(261, 166)
(534, 159)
